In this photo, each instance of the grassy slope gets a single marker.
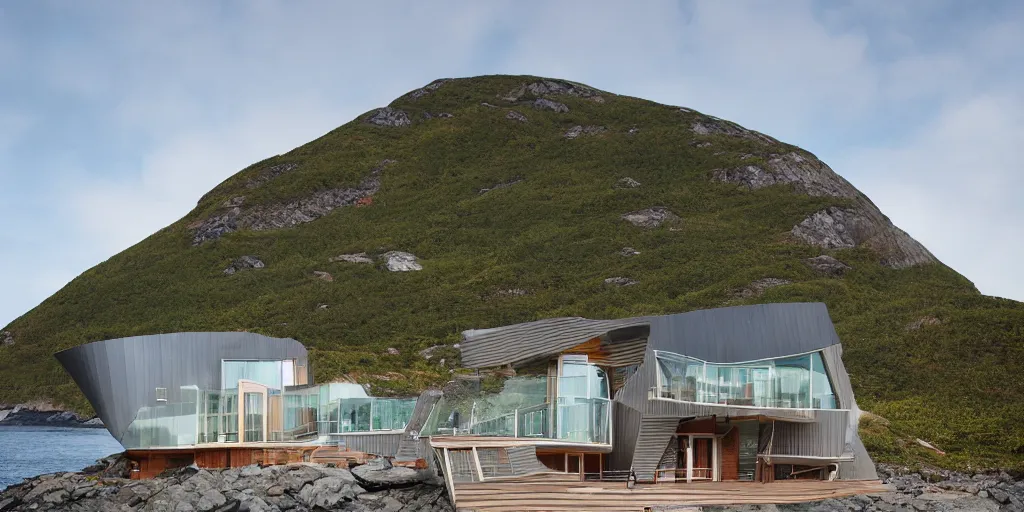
(557, 235)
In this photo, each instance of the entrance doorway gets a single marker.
(698, 458)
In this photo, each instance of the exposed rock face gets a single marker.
(620, 281)
(809, 175)
(429, 88)
(627, 182)
(516, 116)
(629, 251)
(267, 175)
(285, 215)
(398, 261)
(6, 338)
(923, 322)
(323, 276)
(546, 104)
(388, 116)
(304, 486)
(651, 217)
(553, 88)
(758, 287)
(243, 263)
(507, 183)
(578, 130)
(43, 414)
(708, 125)
(839, 228)
(440, 115)
(359, 257)
(512, 292)
(827, 265)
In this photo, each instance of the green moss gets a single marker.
(557, 235)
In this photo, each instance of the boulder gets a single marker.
(551, 88)
(806, 173)
(329, 492)
(579, 130)
(244, 263)
(323, 276)
(388, 116)
(620, 281)
(841, 228)
(629, 251)
(709, 125)
(379, 473)
(6, 338)
(756, 288)
(427, 89)
(211, 500)
(398, 261)
(633, 130)
(392, 351)
(546, 104)
(827, 265)
(627, 182)
(651, 217)
(359, 257)
(516, 116)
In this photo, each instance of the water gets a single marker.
(29, 451)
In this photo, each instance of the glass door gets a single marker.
(253, 421)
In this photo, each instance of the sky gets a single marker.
(115, 117)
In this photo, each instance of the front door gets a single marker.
(698, 458)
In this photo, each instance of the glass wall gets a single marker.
(169, 424)
(798, 382)
(268, 373)
(253, 417)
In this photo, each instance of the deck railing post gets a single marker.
(515, 423)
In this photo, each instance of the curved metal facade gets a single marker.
(120, 376)
(643, 426)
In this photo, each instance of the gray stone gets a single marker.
(507, 183)
(427, 89)
(714, 126)
(633, 130)
(629, 251)
(627, 182)
(917, 324)
(233, 202)
(275, 490)
(388, 116)
(553, 88)
(393, 351)
(323, 276)
(398, 261)
(512, 292)
(287, 215)
(578, 130)
(841, 228)
(183, 506)
(297, 477)
(329, 492)
(261, 179)
(211, 500)
(45, 487)
(6, 338)
(546, 104)
(999, 495)
(359, 257)
(516, 116)
(244, 263)
(651, 217)
(983, 494)
(620, 281)
(379, 473)
(6, 504)
(827, 265)
(756, 288)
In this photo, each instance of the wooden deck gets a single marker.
(550, 492)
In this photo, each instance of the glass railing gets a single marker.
(527, 407)
(797, 382)
(370, 414)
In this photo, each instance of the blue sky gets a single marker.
(116, 117)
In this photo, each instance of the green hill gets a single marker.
(512, 191)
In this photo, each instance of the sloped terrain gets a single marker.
(522, 198)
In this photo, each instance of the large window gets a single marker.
(273, 374)
(797, 382)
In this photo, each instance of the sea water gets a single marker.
(29, 451)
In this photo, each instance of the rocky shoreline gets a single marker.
(379, 486)
(36, 415)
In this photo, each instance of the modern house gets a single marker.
(223, 399)
(690, 401)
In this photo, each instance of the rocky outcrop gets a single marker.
(808, 175)
(359, 257)
(44, 414)
(263, 177)
(546, 104)
(620, 281)
(388, 116)
(827, 265)
(398, 261)
(923, 322)
(439, 115)
(323, 276)
(708, 125)
(629, 252)
(757, 288)
(375, 486)
(627, 182)
(516, 116)
(243, 263)
(553, 88)
(6, 338)
(844, 228)
(651, 217)
(286, 215)
(429, 88)
(579, 130)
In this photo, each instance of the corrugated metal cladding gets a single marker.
(120, 376)
(655, 434)
(524, 460)
(625, 429)
(826, 437)
(377, 444)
